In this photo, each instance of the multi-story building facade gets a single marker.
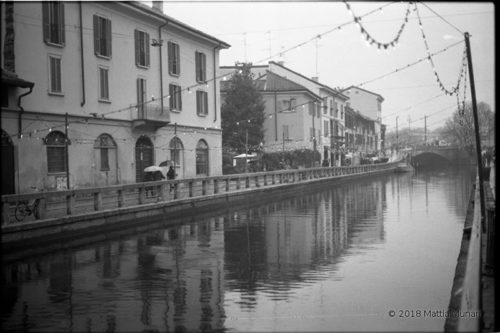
(291, 113)
(97, 91)
(319, 114)
(369, 105)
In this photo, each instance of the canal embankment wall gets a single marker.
(473, 294)
(76, 213)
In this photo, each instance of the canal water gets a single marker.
(373, 254)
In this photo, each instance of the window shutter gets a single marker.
(147, 49)
(198, 102)
(61, 22)
(205, 95)
(137, 47)
(169, 49)
(108, 37)
(46, 21)
(97, 41)
(180, 97)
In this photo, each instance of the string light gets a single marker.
(454, 89)
(371, 40)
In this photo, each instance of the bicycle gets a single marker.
(23, 209)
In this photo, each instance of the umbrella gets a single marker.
(153, 168)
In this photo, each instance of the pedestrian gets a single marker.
(148, 177)
(171, 176)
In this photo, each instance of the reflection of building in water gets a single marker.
(366, 203)
(284, 241)
(168, 280)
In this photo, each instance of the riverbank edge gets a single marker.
(19, 237)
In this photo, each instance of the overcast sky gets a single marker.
(260, 31)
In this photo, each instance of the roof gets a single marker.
(11, 79)
(149, 10)
(324, 86)
(272, 82)
(367, 91)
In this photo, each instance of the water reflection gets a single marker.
(334, 259)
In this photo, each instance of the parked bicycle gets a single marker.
(25, 208)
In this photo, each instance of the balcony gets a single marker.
(150, 117)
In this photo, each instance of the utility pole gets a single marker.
(314, 130)
(66, 150)
(425, 130)
(409, 131)
(397, 137)
(246, 150)
(476, 130)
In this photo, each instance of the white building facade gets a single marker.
(97, 91)
(369, 105)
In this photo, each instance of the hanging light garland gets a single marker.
(371, 40)
(454, 89)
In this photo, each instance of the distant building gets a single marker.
(300, 111)
(94, 92)
(369, 105)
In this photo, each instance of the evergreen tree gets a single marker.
(242, 112)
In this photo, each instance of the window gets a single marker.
(141, 48)
(335, 107)
(175, 97)
(104, 143)
(286, 134)
(103, 84)
(53, 22)
(201, 103)
(174, 60)
(201, 67)
(141, 98)
(326, 125)
(176, 152)
(311, 134)
(102, 36)
(56, 152)
(55, 84)
(202, 158)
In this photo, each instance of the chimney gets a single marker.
(158, 6)
(315, 78)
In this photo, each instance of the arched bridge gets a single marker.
(423, 155)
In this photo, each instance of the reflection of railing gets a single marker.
(72, 205)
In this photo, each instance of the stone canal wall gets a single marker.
(78, 212)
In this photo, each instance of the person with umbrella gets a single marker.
(152, 173)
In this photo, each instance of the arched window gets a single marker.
(202, 158)
(56, 152)
(104, 143)
(176, 152)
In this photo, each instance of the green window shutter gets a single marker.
(206, 102)
(170, 59)
(97, 41)
(61, 23)
(147, 49)
(108, 37)
(137, 47)
(46, 21)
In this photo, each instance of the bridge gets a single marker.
(424, 155)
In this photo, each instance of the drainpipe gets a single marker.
(161, 64)
(215, 84)
(19, 120)
(81, 54)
